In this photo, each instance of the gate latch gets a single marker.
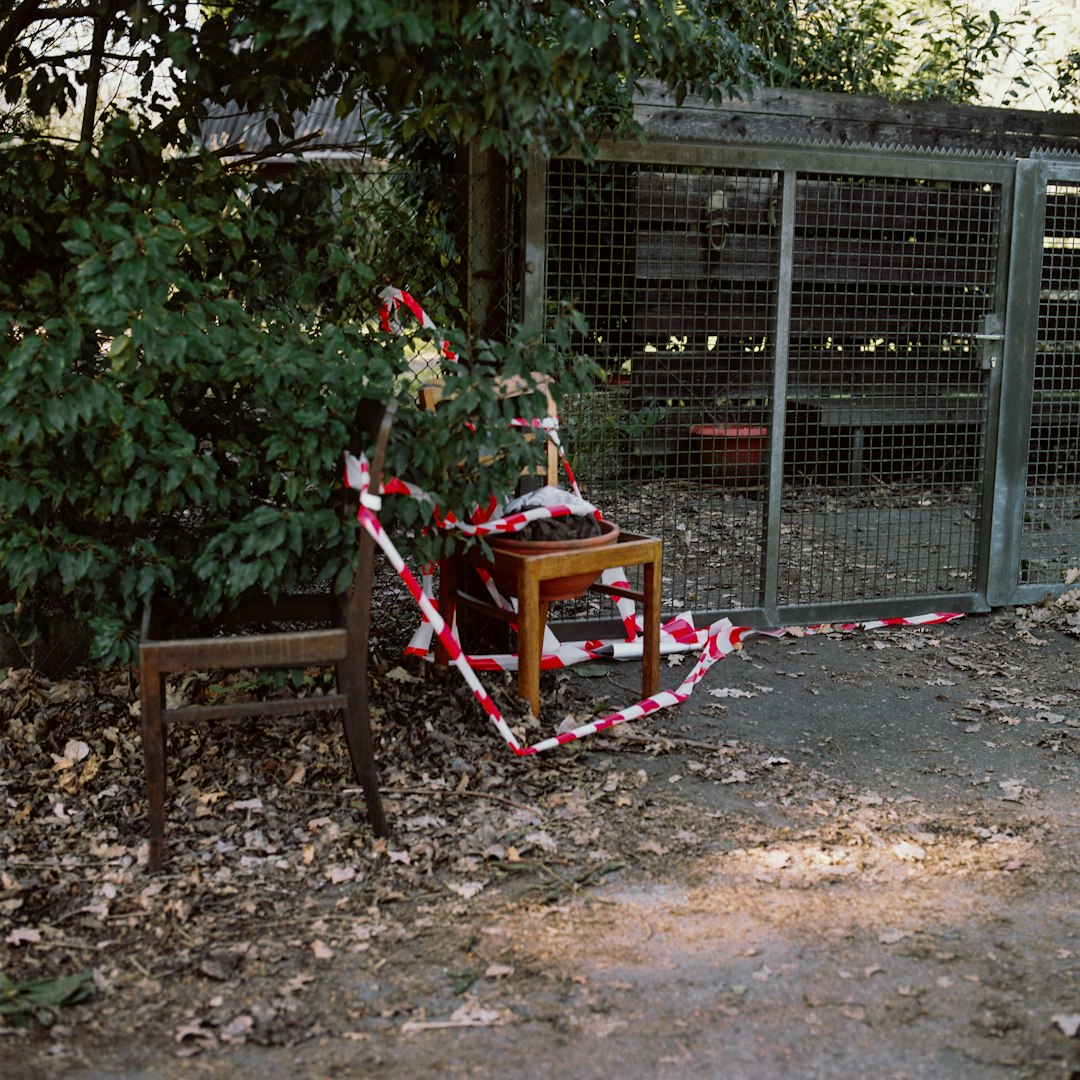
(990, 335)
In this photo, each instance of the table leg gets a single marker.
(530, 638)
(650, 659)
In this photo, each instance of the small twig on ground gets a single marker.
(139, 967)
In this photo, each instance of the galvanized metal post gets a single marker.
(1017, 379)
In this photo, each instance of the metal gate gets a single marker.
(815, 386)
(1036, 547)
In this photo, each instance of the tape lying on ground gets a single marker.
(678, 635)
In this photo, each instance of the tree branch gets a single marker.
(29, 12)
(102, 21)
(21, 19)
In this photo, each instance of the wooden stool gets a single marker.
(524, 575)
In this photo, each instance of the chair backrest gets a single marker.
(431, 393)
(373, 420)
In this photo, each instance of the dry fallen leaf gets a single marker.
(1011, 790)
(907, 851)
(321, 951)
(1068, 1024)
(465, 889)
(296, 983)
(193, 1039)
(246, 804)
(652, 847)
(400, 675)
(893, 937)
(23, 935)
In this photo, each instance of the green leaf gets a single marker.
(39, 1000)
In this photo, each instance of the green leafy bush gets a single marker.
(175, 396)
(184, 346)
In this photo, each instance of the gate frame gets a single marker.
(1033, 176)
(1007, 357)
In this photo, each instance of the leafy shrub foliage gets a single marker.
(184, 357)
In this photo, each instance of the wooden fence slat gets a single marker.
(706, 374)
(679, 197)
(749, 202)
(683, 256)
(663, 312)
(782, 115)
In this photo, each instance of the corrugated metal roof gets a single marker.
(327, 137)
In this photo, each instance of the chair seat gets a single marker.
(287, 649)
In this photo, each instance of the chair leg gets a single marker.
(152, 700)
(446, 604)
(532, 616)
(352, 678)
(357, 720)
(541, 625)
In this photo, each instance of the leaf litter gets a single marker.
(272, 877)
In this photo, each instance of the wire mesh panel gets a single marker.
(795, 370)
(1050, 536)
(675, 269)
(894, 286)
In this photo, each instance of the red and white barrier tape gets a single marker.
(391, 301)
(678, 635)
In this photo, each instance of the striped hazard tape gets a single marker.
(679, 635)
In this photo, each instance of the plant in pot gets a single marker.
(579, 530)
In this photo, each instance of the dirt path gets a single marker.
(847, 856)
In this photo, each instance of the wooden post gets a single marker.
(483, 234)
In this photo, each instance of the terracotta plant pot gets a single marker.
(735, 455)
(562, 588)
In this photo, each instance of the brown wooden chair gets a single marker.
(531, 578)
(309, 630)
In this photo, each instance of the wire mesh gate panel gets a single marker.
(1037, 503)
(798, 355)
